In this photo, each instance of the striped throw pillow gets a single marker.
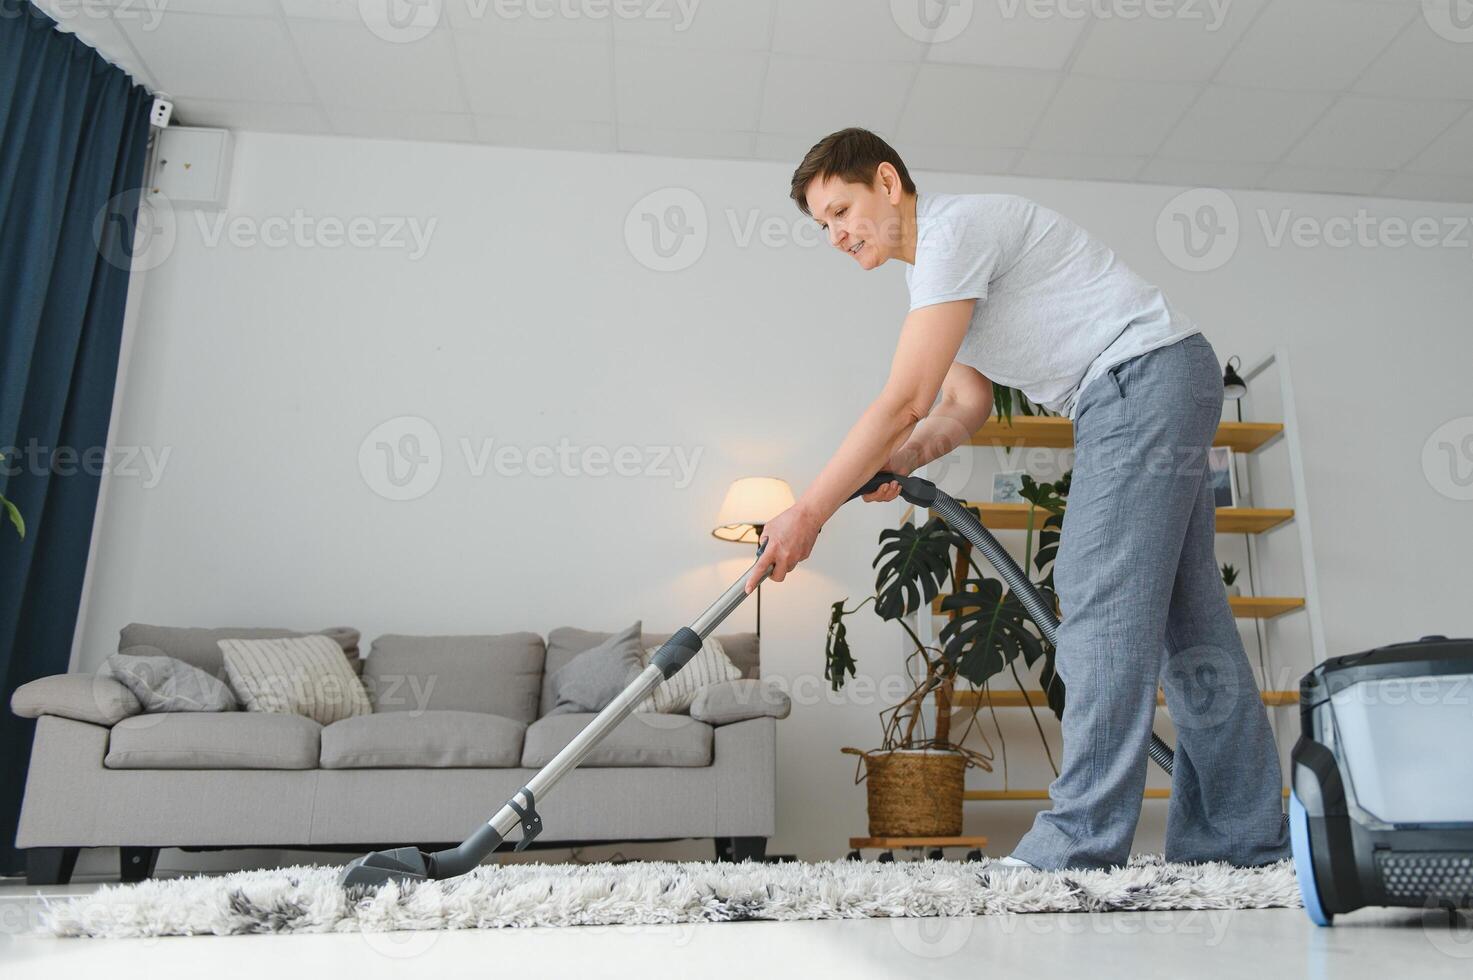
(710, 665)
(298, 675)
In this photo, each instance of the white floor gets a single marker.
(1139, 945)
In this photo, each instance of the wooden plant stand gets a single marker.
(936, 846)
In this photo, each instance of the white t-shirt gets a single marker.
(1055, 307)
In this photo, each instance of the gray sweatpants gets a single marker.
(1143, 603)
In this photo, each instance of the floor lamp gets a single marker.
(750, 503)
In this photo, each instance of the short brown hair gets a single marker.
(852, 155)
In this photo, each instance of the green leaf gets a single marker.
(990, 630)
(1043, 495)
(1002, 402)
(838, 661)
(914, 564)
(13, 513)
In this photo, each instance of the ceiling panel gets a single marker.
(954, 105)
(1373, 134)
(536, 78)
(1286, 177)
(435, 127)
(1451, 153)
(844, 30)
(534, 20)
(271, 116)
(1342, 96)
(810, 97)
(999, 34)
(685, 142)
(248, 59)
(736, 25)
(1082, 166)
(1314, 45)
(664, 87)
(1188, 46)
(548, 134)
(1103, 115)
(1202, 173)
(1422, 64)
(349, 66)
(1429, 187)
(1243, 124)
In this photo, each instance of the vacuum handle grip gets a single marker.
(915, 490)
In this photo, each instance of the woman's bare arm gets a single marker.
(966, 401)
(929, 340)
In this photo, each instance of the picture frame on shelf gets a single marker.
(1007, 487)
(1222, 476)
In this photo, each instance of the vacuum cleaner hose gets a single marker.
(924, 493)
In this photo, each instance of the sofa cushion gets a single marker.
(733, 701)
(566, 642)
(499, 675)
(299, 675)
(596, 676)
(214, 740)
(164, 683)
(93, 698)
(648, 739)
(200, 647)
(710, 665)
(428, 740)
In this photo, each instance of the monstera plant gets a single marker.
(987, 632)
(12, 512)
(1006, 401)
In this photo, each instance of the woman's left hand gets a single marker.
(790, 537)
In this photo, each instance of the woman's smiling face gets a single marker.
(862, 221)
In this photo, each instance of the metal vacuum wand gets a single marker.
(407, 864)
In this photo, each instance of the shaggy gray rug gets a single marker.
(308, 899)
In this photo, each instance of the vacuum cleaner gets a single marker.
(411, 864)
(1381, 784)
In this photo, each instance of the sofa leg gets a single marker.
(138, 862)
(50, 865)
(748, 848)
(723, 849)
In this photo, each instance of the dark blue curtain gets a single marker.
(73, 136)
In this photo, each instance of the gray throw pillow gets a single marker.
(595, 677)
(164, 683)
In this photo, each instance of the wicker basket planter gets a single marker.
(913, 792)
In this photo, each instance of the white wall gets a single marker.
(261, 370)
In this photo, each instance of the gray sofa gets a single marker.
(460, 723)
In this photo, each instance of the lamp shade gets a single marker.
(1233, 386)
(751, 501)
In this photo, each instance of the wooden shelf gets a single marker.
(1054, 432)
(1151, 793)
(1230, 520)
(1022, 699)
(1243, 606)
(1263, 606)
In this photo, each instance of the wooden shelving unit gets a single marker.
(1244, 606)
(1151, 793)
(1230, 520)
(1245, 438)
(1036, 699)
(1053, 432)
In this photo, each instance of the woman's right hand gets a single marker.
(901, 462)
